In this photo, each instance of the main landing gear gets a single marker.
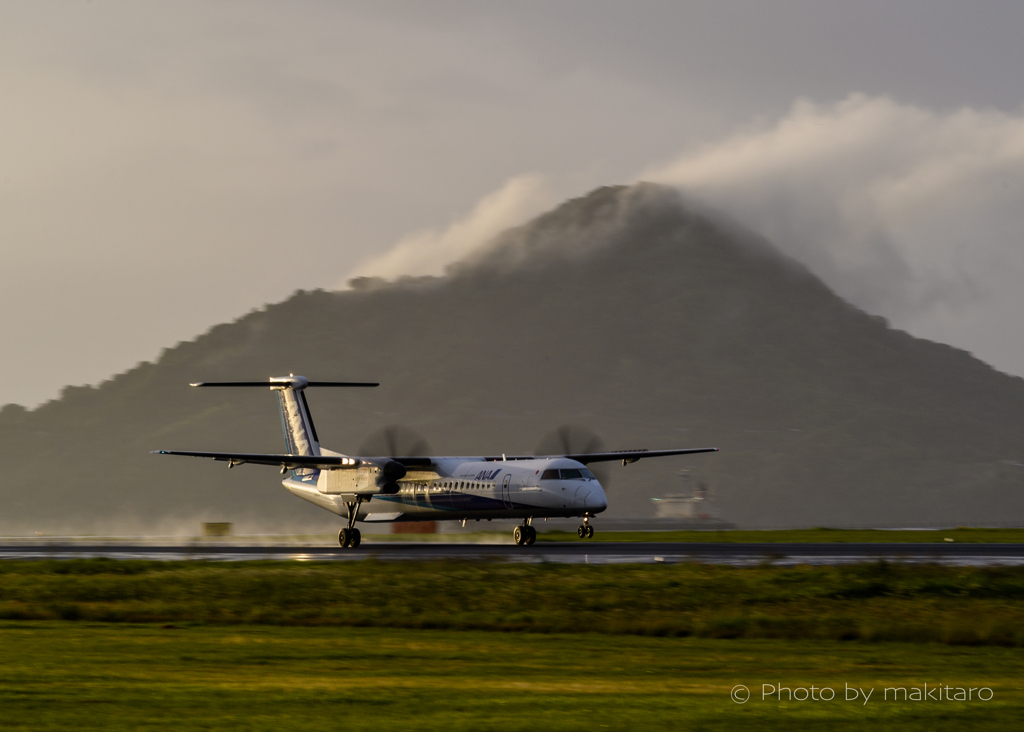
(349, 537)
(525, 535)
(585, 530)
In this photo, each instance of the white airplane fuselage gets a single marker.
(455, 488)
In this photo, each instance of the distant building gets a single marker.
(414, 527)
(678, 506)
(693, 506)
(217, 529)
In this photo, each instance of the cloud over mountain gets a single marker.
(908, 212)
(428, 252)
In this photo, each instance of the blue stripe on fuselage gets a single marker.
(448, 502)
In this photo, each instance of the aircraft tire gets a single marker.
(590, 532)
(519, 535)
(354, 539)
(344, 538)
(581, 531)
(531, 535)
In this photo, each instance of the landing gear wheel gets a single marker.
(531, 535)
(590, 532)
(581, 531)
(519, 535)
(349, 536)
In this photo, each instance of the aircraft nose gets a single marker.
(597, 500)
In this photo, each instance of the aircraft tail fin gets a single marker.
(299, 433)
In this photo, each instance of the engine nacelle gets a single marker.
(368, 477)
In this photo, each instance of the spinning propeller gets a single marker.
(574, 439)
(394, 441)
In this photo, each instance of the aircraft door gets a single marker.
(506, 496)
(453, 497)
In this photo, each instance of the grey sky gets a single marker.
(168, 166)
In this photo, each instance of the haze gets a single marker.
(166, 167)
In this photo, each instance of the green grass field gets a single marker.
(102, 644)
(63, 675)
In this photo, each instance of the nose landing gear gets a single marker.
(585, 530)
(525, 535)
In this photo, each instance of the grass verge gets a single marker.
(871, 602)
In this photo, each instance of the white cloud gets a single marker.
(428, 252)
(892, 204)
(908, 212)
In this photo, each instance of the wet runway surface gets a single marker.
(593, 552)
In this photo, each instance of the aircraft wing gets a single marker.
(333, 461)
(631, 456)
(626, 456)
(285, 461)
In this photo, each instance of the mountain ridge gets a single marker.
(629, 310)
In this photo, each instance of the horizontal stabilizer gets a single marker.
(266, 384)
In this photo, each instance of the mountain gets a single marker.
(649, 320)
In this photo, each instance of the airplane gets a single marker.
(385, 489)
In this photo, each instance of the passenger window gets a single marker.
(549, 474)
(570, 474)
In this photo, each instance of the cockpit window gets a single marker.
(549, 474)
(587, 474)
(570, 474)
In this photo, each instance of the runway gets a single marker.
(595, 552)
